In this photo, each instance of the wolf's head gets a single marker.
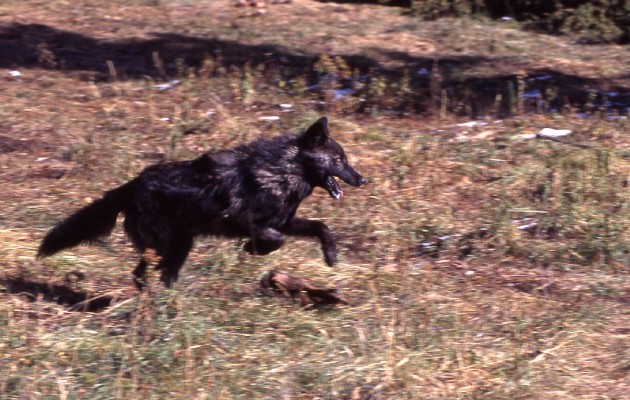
(324, 159)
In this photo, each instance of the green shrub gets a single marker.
(591, 21)
(603, 20)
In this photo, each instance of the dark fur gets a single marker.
(253, 190)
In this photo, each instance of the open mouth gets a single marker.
(334, 190)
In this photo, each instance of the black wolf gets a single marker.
(251, 191)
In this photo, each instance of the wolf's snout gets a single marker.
(357, 180)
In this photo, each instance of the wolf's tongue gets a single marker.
(334, 190)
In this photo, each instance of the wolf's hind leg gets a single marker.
(173, 258)
(264, 241)
(318, 229)
(139, 273)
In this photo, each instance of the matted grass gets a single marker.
(481, 262)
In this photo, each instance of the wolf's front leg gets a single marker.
(318, 229)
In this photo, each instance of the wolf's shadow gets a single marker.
(62, 294)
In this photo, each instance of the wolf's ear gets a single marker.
(316, 135)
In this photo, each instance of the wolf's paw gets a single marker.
(261, 247)
(249, 247)
(139, 283)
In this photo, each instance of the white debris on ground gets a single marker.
(553, 133)
(167, 86)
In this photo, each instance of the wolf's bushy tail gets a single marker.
(93, 221)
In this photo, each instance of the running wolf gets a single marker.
(251, 191)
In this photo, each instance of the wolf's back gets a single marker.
(93, 221)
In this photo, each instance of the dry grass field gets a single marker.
(481, 260)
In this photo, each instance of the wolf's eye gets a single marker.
(338, 159)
